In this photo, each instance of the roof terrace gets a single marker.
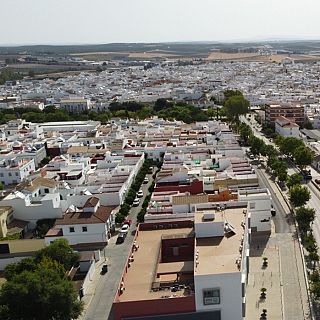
(220, 254)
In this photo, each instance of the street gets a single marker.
(116, 255)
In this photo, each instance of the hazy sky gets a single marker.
(104, 21)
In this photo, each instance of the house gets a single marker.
(91, 224)
(14, 170)
(35, 200)
(286, 128)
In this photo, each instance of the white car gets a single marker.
(136, 202)
(125, 228)
(140, 194)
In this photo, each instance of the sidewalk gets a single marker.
(269, 278)
(92, 286)
(284, 278)
(286, 296)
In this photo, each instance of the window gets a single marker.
(17, 174)
(252, 205)
(9, 174)
(46, 190)
(84, 229)
(1, 174)
(211, 296)
(71, 229)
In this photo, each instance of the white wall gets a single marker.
(88, 278)
(96, 232)
(287, 132)
(230, 294)
(44, 210)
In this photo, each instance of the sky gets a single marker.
(107, 21)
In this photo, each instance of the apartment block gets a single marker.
(294, 112)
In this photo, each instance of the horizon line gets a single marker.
(276, 39)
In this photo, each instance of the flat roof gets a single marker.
(140, 276)
(219, 254)
(199, 215)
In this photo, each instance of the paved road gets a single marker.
(282, 218)
(101, 303)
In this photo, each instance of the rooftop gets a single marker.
(140, 276)
(80, 217)
(219, 254)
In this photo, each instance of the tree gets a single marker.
(59, 250)
(314, 258)
(236, 106)
(245, 132)
(42, 294)
(256, 145)
(315, 289)
(31, 73)
(269, 151)
(43, 226)
(211, 112)
(163, 103)
(281, 171)
(232, 93)
(303, 156)
(294, 179)
(288, 145)
(145, 112)
(305, 217)
(299, 195)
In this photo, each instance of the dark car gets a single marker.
(306, 174)
(121, 238)
(317, 181)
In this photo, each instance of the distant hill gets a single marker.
(190, 48)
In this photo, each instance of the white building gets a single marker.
(93, 223)
(221, 255)
(258, 208)
(75, 105)
(14, 170)
(37, 200)
(286, 127)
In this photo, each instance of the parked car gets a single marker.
(125, 228)
(306, 174)
(140, 194)
(146, 180)
(136, 202)
(273, 212)
(121, 238)
(317, 181)
(150, 170)
(127, 221)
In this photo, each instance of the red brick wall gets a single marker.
(180, 224)
(153, 307)
(186, 249)
(195, 187)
